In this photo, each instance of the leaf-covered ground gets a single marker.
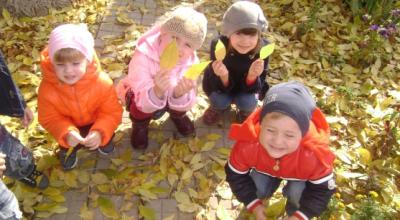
(317, 43)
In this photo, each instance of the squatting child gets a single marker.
(77, 102)
(287, 139)
(150, 90)
(241, 76)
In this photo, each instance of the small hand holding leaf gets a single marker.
(195, 70)
(170, 56)
(73, 139)
(92, 140)
(267, 50)
(220, 51)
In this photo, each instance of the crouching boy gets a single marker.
(287, 139)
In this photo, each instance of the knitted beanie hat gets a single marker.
(187, 23)
(75, 36)
(243, 14)
(292, 99)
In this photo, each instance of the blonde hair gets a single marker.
(68, 55)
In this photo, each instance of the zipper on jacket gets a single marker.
(77, 102)
(276, 166)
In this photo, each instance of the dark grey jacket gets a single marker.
(11, 101)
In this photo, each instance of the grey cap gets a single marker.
(243, 14)
(292, 99)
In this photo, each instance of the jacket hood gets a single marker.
(316, 139)
(149, 44)
(49, 74)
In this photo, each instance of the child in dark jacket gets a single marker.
(287, 139)
(16, 160)
(241, 75)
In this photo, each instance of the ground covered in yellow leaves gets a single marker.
(352, 70)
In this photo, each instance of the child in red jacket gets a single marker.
(287, 139)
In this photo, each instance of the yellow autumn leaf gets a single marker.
(208, 146)
(182, 197)
(365, 156)
(69, 152)
(222, 213)
(267, 50)
(6, 14)
(220, 51)
(275, 209)
(147, 213)
(196, 69)
(170, 56)
(171, 217)
(85, 213)
(187, 173)
(99, 178)
(107, 208)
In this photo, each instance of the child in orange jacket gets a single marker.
(77, 103)
(287, 139)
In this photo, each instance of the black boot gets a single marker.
(182, 123)
(36, 179)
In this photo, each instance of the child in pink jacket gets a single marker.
(149, 90)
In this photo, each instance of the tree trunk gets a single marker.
(32, 8)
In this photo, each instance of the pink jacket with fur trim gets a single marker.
(143, 67)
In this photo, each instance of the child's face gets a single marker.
(243, 43)
(279, 135)
(70, 72)
(185, 50)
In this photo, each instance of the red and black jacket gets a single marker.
(312, 162)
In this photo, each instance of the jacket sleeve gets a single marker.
(315, 197)
(141, 72)
(52, 120)
(109, 114)
(238, 177)
(183, 103)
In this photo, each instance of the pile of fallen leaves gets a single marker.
(317, 44)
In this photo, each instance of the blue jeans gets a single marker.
(246, 102)
(9, 208)
(267, 185)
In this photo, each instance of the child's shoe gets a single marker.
(139, 136)
(241, 116)
(211, 116)
(70, 162)
(106, 150)
(36, 179)
(182, 123)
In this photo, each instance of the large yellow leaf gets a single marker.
(275, 209)
(196, 69)
(267, 50)
(107, 208)
(220, 51)
(365, 156)
(170, 56)
(182, 197)
(147, 213)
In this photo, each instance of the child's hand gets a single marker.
(2, 164)
(259, 213)
(74, 138)
(162, 81)
(220, 69)
(92, 140)
(183, 87)
(255, 69)
(28, 117)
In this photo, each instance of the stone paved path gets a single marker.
(164, 207)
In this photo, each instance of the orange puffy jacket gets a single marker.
(92, 100)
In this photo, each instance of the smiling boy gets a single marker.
(287, 139)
